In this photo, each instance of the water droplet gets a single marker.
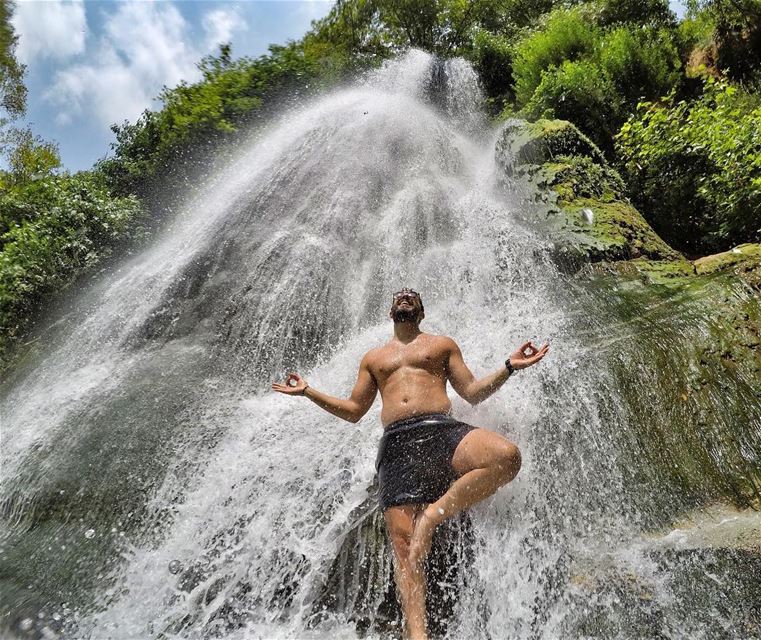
(90, 533)
(25, 624)
(441, 511)
(56, 616)
(175, 566)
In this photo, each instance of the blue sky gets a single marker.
(90, 64)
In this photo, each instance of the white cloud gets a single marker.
(220, 24)
(145, 46)
(54, 29)
(314, 9)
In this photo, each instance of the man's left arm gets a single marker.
(475, 391)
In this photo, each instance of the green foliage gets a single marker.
(642, 63)
(12, 89)
(162, 149)
(695, 168)
(521, 13)
(581, 93)
(29, 157)
(737, 35)
(54, 229)
(353, 28)
(695, 30)
(566, 36)
(443, 27)
(492, 59)
(655, 13)
(611, 73)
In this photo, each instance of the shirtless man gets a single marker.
(430, 465)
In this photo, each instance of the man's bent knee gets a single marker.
(509, 461)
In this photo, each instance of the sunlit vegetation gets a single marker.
(695, 167)
(627, 73)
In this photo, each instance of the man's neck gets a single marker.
(406, 331)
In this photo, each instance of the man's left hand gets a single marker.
(527, 355)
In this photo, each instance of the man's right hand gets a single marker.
(294, 385)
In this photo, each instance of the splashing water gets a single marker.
(149, 470)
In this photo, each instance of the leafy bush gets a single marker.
(492, 59)
(643, 64)
(62, 226)
(581, 93)
(12, 89)
(593, 77)
(566, 36)
(639, 12)
(694, 169)
(737, 34)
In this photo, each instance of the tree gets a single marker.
(12, 89)
(736, 34)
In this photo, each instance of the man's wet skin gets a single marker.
(411, 372)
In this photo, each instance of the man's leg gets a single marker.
(484, 461)
(410, 583)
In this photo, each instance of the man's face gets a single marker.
(406, 306)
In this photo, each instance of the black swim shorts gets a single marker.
(414, 460)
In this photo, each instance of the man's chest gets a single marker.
(392, 360)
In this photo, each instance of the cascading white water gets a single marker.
(188, 501)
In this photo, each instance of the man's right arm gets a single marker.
(351, 409)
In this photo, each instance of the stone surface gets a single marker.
(617, 231)
(689, 367)
(524, 143)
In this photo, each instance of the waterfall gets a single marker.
(154, 487)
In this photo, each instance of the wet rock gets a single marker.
(360, 584)
(701, 434)
(743, 260)
(615, 600)
(581, 204)
(524, 143)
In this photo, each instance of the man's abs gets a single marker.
(412, 392)
(412, 378)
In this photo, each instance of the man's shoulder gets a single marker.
(441, 342)
(372, 354)
(441, 338)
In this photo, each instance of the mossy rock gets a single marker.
(591, 221)
(670, 273)
(688, 371)
(743, 260)
(524, 143)
(583, 207)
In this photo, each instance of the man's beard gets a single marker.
(405, 315)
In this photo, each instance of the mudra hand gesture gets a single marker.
(294, 385)
(528, 354)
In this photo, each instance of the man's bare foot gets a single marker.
(422, 537)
